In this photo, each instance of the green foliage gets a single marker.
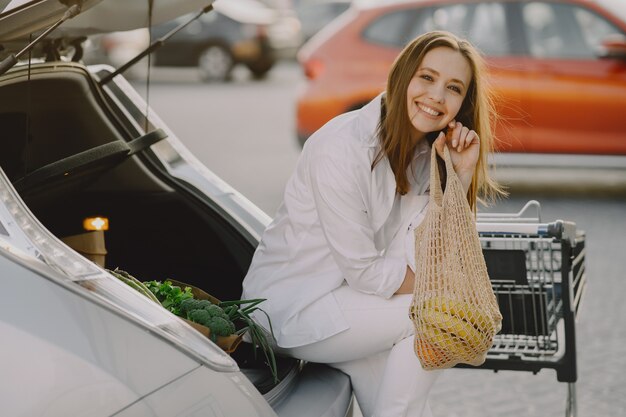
(170, 296)
(239, 312)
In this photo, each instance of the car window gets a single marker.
(483, 24)
(555, 30)
(452, 18)
(389, 29)
(593, 27)
(488, 29)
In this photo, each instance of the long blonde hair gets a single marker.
(476, 113)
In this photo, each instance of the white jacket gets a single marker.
(327, 231)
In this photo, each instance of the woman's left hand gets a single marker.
(464, 147)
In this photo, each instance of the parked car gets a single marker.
(557, 67)
(315, 14)
(76, 340)
(236, 33)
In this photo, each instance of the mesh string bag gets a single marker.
(454, 309)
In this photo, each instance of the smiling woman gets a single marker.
(337, 263)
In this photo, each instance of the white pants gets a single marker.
(377, 353)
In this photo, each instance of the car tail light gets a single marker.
(313, 68)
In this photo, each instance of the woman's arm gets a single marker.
(339, 183)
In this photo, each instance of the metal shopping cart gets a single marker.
(537, 272)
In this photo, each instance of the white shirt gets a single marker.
(340, 222)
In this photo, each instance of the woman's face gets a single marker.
(437, 90)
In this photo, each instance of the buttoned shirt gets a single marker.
(340, 223)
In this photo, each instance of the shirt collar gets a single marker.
(368, 118)
(422, 148)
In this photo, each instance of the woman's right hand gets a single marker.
(464, 147)
(463, 144)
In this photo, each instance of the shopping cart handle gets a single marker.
(559, 229)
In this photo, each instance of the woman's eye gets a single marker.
(455, 89)
(427, 77)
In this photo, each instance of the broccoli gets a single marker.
(221, 326)
(199, 316)
(209, 315)
(190, 304)
(216, 311)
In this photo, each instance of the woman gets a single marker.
(336, 264)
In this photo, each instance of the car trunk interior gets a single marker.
(157, 231)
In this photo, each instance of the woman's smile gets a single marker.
(429, 110)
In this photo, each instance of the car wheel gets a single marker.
(215, 63)
(259, 69)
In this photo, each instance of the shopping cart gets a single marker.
(537, 272)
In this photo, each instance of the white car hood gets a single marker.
(21, 18)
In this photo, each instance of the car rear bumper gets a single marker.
(318, 391)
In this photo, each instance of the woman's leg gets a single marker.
(405, 385)
(377, 353)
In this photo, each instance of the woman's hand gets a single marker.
(464, 147)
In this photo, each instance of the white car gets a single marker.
(77, 143)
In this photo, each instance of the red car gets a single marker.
(557, 67)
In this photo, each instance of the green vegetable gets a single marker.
(219, 326)
(210, 315)
(133, 282)
(259, 337)
(170, 296)
(191, 304)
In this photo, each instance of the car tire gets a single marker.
(215, 63)
(259, 69)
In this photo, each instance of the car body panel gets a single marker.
(545, 104)
(97, 16)
(76, 357)
(202, 393)
(560, 85)
(333, 394)
(19, 19)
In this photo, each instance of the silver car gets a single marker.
(76, 144)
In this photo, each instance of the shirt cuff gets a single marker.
(394, 270)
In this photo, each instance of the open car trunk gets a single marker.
(157, 230)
